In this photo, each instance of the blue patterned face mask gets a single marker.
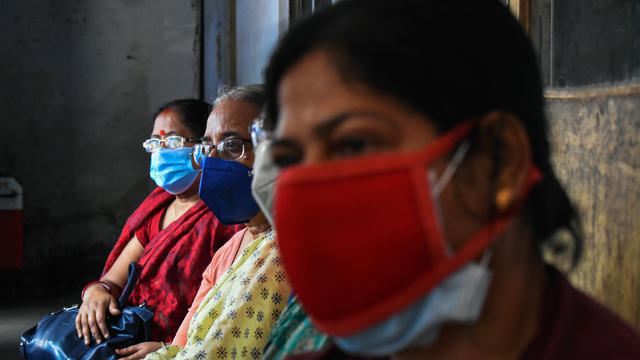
(226, 189)
(172, 169)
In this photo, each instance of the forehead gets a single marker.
(170, 121)
(313, 97)
(231, 116)
(313, 90)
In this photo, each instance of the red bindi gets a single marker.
(166, 111)
(161, 132)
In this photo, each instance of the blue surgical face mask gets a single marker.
(226, 189)
(457, 299)
(264, 179)
(172, 169)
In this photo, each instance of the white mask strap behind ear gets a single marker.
(451, 169)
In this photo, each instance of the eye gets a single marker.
(174, 142)
(350, 146)
(234, 146)
(285, 157)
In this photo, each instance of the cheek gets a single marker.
(247, 159)
(465, 206)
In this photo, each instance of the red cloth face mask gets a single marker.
(360, 238)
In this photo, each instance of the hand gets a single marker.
(138, 351)
(91, 319)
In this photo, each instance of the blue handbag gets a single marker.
(55, 336)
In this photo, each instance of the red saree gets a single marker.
(173, 260)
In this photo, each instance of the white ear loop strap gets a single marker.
(451, 168)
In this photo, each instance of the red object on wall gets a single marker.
(11, 224)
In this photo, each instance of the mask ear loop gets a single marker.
(458, 156)
(486, 257)
(437, 185)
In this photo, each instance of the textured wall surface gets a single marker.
(258, 23)
(596, 138)
(79, 81)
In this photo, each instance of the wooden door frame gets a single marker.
(520, 9)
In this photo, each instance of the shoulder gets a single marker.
(226, 253)
(588, 328)
(233, 243)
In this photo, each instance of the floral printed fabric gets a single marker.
(236, 316)
(294, 333)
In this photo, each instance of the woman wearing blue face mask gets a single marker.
(416, 192)
(172, 227)
(244, 289)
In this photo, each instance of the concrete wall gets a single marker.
(257, 29)
(589, 54)
(219, 46)
(79, 81)
(239, 38)
(596, 137)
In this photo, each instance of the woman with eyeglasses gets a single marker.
(416, 191)
(244, 289)
(172, 235)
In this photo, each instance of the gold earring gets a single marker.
(504, 198)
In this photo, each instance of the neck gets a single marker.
(258, 226)
(187, 197)
(509, 320)
(190, 196)
(510, 314)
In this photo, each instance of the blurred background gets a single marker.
(80, 80)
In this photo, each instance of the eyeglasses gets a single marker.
(258, 132)
(171, 142)
(228, 149)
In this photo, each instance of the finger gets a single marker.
(127, 351)
(79, 325)
(95, 331)
(113, 307)
(135, 356)
(102, 323)
(85, 329)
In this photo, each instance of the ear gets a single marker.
(508, 142)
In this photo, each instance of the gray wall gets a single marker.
(239, 36)
(589, 52)
(257, 24)
(79, 81)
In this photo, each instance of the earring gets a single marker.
(504, 198)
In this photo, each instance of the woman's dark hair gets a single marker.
(193, 113)
(450, 60)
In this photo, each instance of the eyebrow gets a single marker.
(287, 143)
(231, 133)
(328, 125)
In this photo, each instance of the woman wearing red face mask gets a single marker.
(416, 191)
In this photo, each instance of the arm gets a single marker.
(91, 319)
(205, 285)
(139, 351)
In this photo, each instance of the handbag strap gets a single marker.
(132, 279)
